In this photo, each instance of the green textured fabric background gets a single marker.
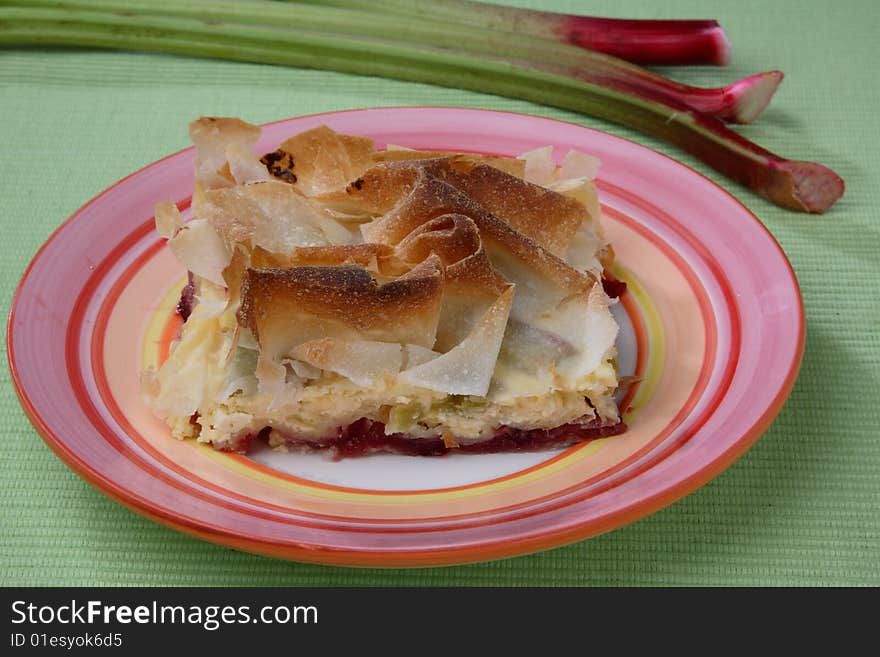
(802, 507)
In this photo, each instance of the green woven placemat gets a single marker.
(802, 507)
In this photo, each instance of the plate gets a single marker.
(712, 326)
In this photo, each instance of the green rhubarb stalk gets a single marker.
(802, 186)
(657, 42)
(740, 102)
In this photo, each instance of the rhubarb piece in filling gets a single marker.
(355, 301)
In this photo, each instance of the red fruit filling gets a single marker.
(368, 436)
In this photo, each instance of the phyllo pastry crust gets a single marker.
(358, 300)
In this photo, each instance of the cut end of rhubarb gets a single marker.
(753, 94)
(649, 42)
(722, 48)
(805, 186)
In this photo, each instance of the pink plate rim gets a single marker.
(548, 538)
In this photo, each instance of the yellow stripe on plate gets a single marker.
(157, 323)
(655, 337)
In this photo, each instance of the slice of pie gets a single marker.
(356, 300)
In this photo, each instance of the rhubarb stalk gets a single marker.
(802, 186)
(655, 42)
(740, 102)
